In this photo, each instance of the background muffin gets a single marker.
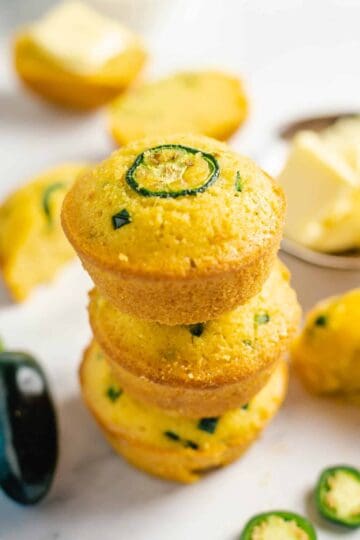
(202, 369)
(171, 446)
(176, 230)
(327, 353)
(32, 243)
(205, 102)
(65, 57)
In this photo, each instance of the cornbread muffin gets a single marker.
(173, 447)
(176, 230)
(32, 244)
(62, 57)
(327, 353)
(202, 369)
(209, 103)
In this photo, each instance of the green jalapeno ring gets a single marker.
(209, 158)
(300, 521)
(322, 488)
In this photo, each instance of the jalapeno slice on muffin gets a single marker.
(338, 495)
(278, 524)
(172, 170)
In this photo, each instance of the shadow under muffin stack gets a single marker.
(192, 313)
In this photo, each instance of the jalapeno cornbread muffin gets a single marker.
(327, 353)
(201, 369)
(177, 229)
(205, 102)
(169, 446)
(32, 244)
(76, 57)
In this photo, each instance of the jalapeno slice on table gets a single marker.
(338, 495)
(276, 525)
(28, 429)
(171, 171)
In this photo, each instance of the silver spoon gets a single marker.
(273, 160)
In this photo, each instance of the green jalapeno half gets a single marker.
(171, 171)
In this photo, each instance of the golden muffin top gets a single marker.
(222, 351)
(178, 205)
(206, 102)
(121, 415)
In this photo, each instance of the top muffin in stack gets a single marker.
(177, 229)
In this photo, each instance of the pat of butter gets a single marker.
(340, 233)
(344, 138)
(318, 184)
(79, 37)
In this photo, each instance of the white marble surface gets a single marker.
(297, 56)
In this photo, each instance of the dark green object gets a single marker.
(321, 320)
(113, 393)
(171, 435)
(262, 318)
(238, 182)
(301, 522)
(191, 444)
(196, 329)
(165, 194)
(323, 487)
(120, 219)
(46, 198)
(185, 442)
(246, 406)
(208, 424)
(28, 429)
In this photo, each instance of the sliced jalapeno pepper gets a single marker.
(28, 430)
(276, 524)
(338, 495)
(171, 171)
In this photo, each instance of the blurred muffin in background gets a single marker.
(77, 57)
(327, 353)
(32, 244)
(202, 102)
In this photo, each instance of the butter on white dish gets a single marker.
(80, 38)
(323, 194)
(344, 139)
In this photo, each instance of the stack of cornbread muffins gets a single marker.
(192, 313)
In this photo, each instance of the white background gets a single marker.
(296, 57)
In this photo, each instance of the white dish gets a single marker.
(272, 158)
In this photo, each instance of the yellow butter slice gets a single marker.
(79, 37)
